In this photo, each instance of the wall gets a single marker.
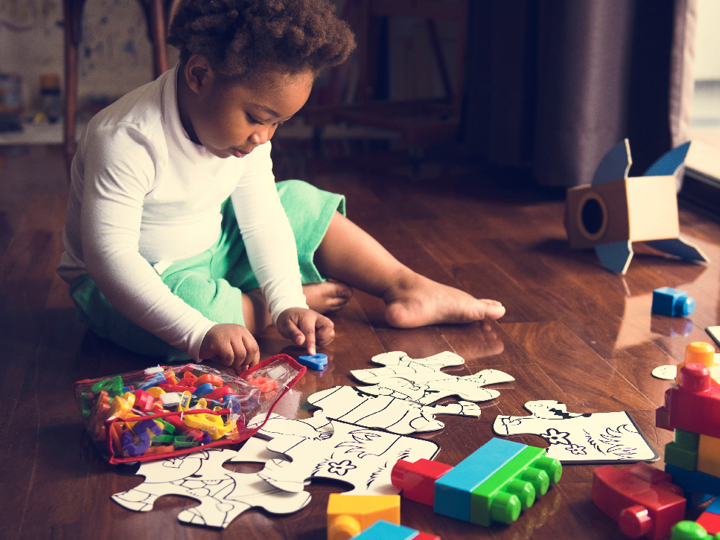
(114, 57)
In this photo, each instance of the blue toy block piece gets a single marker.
(316, 361)
(453, 490)
(672, 302)
(384, 530)
(615, 165)
(694, 481)
(669, 162)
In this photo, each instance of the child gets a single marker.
(178, 241)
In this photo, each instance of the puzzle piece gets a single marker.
(580, 438)
(422, 381)
(319, 448)
(349, 404)
(401, 365)
(426, 392)
(223, 494)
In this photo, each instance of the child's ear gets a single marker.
(198, 74)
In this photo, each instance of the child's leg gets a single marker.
(349, 254)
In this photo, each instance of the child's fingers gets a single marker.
(324, 331)
(307, 327)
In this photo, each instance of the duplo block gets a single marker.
(697, 352)
(708, 460)
(348, 515)
(694, 481)
(382, 530)
(693, 405)
(683, 451)
(672, 302)
(640, 498)
(417, 480)
(710, 519)
(453, 490)
(514, 487)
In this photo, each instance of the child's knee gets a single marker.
(216, 299)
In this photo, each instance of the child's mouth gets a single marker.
(238, 153)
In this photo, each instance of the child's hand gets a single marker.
(231, 345)
(301, 325)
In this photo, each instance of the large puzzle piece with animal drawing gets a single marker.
(350, 404)
(421, 380)
(580, 437)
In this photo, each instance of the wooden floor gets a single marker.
(573, 332)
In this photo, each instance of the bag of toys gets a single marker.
(166, 411)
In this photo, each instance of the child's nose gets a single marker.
(261, 136)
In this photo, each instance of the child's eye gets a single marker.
(253, 120)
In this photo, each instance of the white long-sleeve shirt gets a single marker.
(143, 195)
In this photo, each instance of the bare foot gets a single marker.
(418, 301)
(328, 296)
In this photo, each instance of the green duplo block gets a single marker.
(514, 487)
(686, 440)
(680, 457)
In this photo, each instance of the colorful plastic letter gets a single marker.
(316, 361)
(348, 515)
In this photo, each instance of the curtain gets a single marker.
(552, 85)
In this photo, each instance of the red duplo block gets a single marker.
(640, 498)
(693, 405)
(426, 536)
(710, 522)
(417, 480)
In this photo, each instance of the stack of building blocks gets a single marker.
(672, 302)
(700, 352)
(349, 515)
(692, 410)
(382, 530)
(494, 483)
(640, 498)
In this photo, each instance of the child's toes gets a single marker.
(493, 309)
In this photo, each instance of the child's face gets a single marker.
(231, 119)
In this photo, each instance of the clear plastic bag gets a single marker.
(166, 411)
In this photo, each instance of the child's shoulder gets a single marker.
(140, 110)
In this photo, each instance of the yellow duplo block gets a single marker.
(698, 352)
(709, 455)
(349, 515)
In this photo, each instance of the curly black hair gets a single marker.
(242, 37)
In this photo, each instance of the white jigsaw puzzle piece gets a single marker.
(470, 387)
(360, 457)
(222, 494)
(580, 437)
(401, 365)
(349, 404)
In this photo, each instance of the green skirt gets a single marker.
(212, 282)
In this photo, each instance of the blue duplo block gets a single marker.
(384, 530)
(453, 489)
(316, 361)
(694, 481)
(672, 302)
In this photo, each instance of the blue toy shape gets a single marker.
(672, 302)
(316, 361)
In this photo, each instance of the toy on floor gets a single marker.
(700, 352)
(495, 483)
(580, 437)
(421, 381)
(690, 530)
(614, 211)
(223, 495)
(315, 361)
(641, 498)
(170, 411)
(350, 404)
(665, 373)
(672, 302)
(349, 515)
(319, 448)
(383, 530)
